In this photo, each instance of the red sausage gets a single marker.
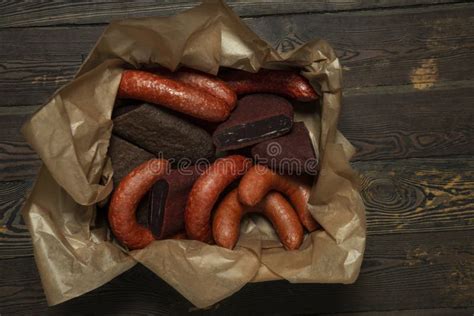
(208, 83)
(287, 83)
(206, 191)
(226, 224)
(172, 94)
(125, 199)
(259, 180)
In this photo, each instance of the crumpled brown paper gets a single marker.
(74, 251)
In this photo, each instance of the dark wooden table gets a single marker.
(408, 107)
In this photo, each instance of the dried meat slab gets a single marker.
(163, 133)
(257, 117)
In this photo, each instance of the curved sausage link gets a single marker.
(287, 83)
(226, 221)
(206, 191)
(211, 84)
(284, 218)
(226, 224)
(125, 199)
(178, 96)
(259, 180)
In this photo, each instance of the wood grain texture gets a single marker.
(393, 47)
(418, 195)
(18, 161)
(401, 196)
(400, 271)
(27, 13)
(403, 122)
(428, 46)
(36, 62)
(15, 240)
(412, 312)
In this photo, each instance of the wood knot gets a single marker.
(391, 194)
(288, 43)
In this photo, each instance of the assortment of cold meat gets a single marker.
(194, 153)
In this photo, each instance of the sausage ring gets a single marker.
(125, 199)
(226, 224)
(259, 180)
(206, 191)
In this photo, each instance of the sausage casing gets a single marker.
(226, 223)
(206, 82)
(286, 83)
(178, 96)
(259, 180)
(206, 191)
(125, 199)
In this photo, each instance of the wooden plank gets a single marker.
(412, 312)
(429, 45)
(403, 122)
(409, 271)
(419, 46)
(15, 240)
(403, 196)
(18, 161)
(11, 120)
(27, 13)
(418, 195)
(36, 62)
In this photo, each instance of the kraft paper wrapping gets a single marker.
(74, 250)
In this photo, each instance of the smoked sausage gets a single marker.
(125, 199)
(226, 223)
(205, 192)
(206, 82)
(287, 83)
(259, 180)
(178, 96)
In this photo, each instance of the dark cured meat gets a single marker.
(291, 154)
(256, 118)
(162, 133)
(168, 201)
(125, 156)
